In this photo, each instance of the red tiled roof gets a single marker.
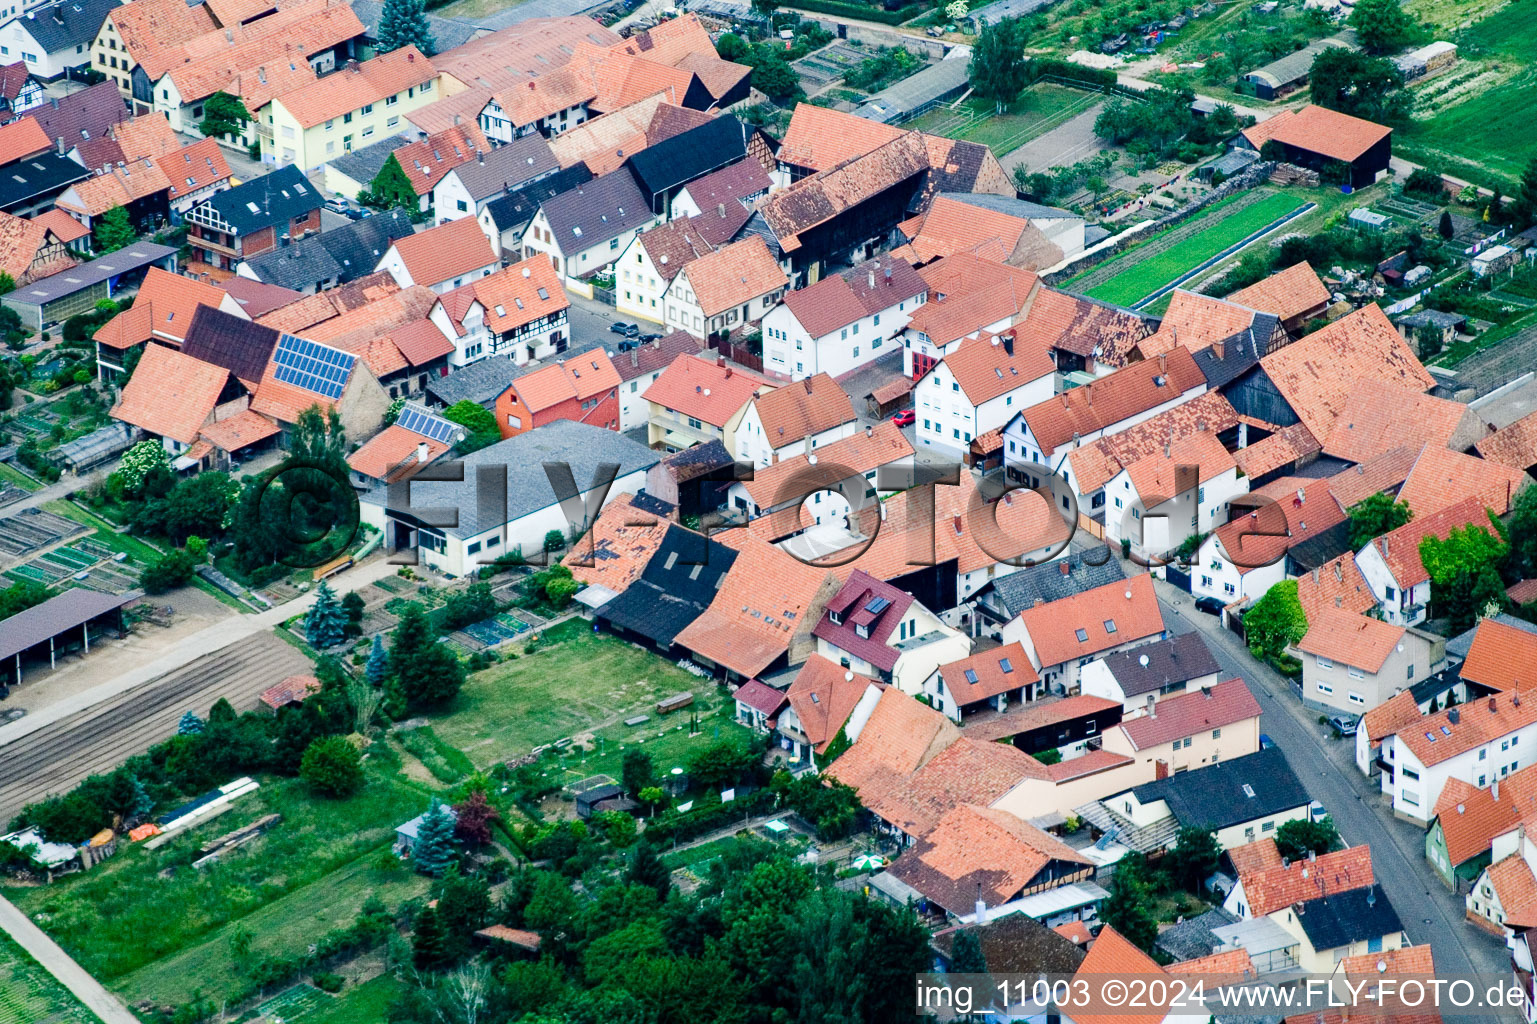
(1210, 707)
(1319, 130)
(22, 138)
(1113, 956)
(579, 377)
(62, 224)
(1359, 641)
(734, 275)
(987, 366)
(967, 771)
(235, 432)
(349, 88)
(1299, 510)
(165, 306)
(1196, 321)
(1130, 605)
(1096, 463)
(1501, 656)
(290, 691)
(1400, 548)
(1156, 477)
(1384, 473)
(1381, 416)
(651, 356)
(428, 161)
(452, 249)
(1255, 856)
(1276, 888)
(761, 697)
(1393, 715)
(421, 342)
(705, 390)
(1471, 817)
(1286, 293)
(822, 138)
(170, 394)
(901, 736)
(1337, 583)
(823, 696)
(1442, 477)
(1514, 444)
(393, 447)
(989, 673)
(802, 409)
(1103, 403)
(1478, 722)
(1516, 888)
(867, 449)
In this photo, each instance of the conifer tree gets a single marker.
(326, 623)
(378, 663)
(434, 848)
(403, 23)
(190, 725)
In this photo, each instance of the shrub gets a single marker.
(332, 767)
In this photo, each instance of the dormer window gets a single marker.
(835, 618)
(863, 631)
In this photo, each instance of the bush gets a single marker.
(171, 570)
(328, 982)
(332, 767)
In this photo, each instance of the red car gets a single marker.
(905, 418)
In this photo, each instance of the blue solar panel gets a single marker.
(311, 366)
(417, 420)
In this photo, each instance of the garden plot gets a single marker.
(32, 529)
(30, 995)
(828, 64)
(494, 631)
(1412, 211)
(92, 567)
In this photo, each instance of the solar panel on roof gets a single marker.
(877, 605)
(419, 421)
(318, 368)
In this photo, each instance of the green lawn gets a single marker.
(1038, 110)
(145, 905)
(583, 682)
(29, 994)
(366, 1002)
(1486, 136)
(10, 474)
(1146, 271)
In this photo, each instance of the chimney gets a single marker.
(1160, 769)
(1312, 855)
(869, 431)
(1494, 790)
(807, 382)
(720, 360)
(957, 522)
(1064, 568)
(1008, 344)
(1152, 706)
(1163, 363)
(720, 208)
(872, 278)
(1038, 601)
(421, 452)
(981, 906)
(1219, 348)
(728, 373)
(61, 145)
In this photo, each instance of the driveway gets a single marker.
(1327, 768)
(57, 963)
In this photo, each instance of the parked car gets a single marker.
(628, 344)
(1346, 725)
(620, 327)
(1316, 811)
(650, 337)
(358, 212)
(905, 418)
(1209, 605)
(336, 204)
(1265, 742)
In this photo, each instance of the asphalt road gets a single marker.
(1429, 912)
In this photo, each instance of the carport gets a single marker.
(53, 623)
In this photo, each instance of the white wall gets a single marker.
(1415, 798)
(1167, 525)
(752, 444)
(396, 268)
(1399, 607)
(638, 285)
(16, 43)
(947, 418)
(1096, 680)
(1213, 575)
(790, 351)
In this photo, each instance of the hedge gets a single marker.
(860, 11)
(1040, 67)
(670, 825)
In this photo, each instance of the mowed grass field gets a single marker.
(1147, 267)
(1487, 135)
(583, 682)
(1038, 110)
(29, 994)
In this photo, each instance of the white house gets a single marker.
(519, 312)
(1160, 501)
(967, 295)
(842, 321)
(977, 387)
(443, 258)
(1245, 557)
(555, 102)
(1479, 742)
(1351, 663)
(1063, 636)
(638, 370)
(1144, 675)
(520, 519)
(874, 629)
(725, 290)
(793, 420)
(695, 400)
(62, 40)
(585, 229)
(649, 265)
(1392, 567)
(991, 680)
(773, 489)
(465, 190)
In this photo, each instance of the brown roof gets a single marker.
(867, 449)
(673, 246)
(655, 355)
(1478, 722)
(170, 394)
(22, 138)
(1085, 327)
(668, 41)
(704, 389)
(1350, 638)
(290, 691)
(1195, 321)
(393, 447)
(1317, 374)
(305, 312)
(732, 183)
(1400, 548)
(1255, 856)
(1275, 888)
(511, 297)
(818, 199)
(1037, 714)
(67, 228)
(1514, 444)
(1384, 473)
(148, 135)
(1442, 477)
(967, 771)
(1500, 656)
(1156, 477)
(823, 696)
(351, 87)
(1096, 463)
(901, 736)
(799, 410)
(1210, 707)
(734, 275)
(840, 299)
(1102, 403)
(1382, 415)
(1130, 607)
(235, 432)
(118, 187)
(440, 253)
(20, 240)
(427, 161)
(1337, 583)
(822, 138)
(1319, 130)
(1286, 293)
(988, 366)
(983, 675)
(980, 853)
(623, 539)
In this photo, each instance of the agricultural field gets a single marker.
(1474, 120)
(1039, 109)
(582, 683)
(1143, 269)
(29, 994)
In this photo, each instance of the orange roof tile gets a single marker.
(1317, 374)
(290, 691)
(1155, 477)
(1255, 856)
(164, 307)
(733, 275)
(822, 138)
(20, 241)
(118, 187)
(421, 341)
(1406, 960)
(606, 142)
(1393, 715)
(866, 450)
(901, 736)
(195, 167)
(1501, 656)
(1477, 722)
(668, 41)
(1195, 321)
(1210, 707)
(170, 394)
(982, 675)
(379, 314)
(1319, 130)
(1113, 956)
(1337, 583)
(1286, 293)
(67, 228)
(799, 410)
(1097, 462)
(235, 432)
(530, 48)
(1516, 888)
(814, 201)
(1442, 477)
(351, 87)
(623, 539)
(1350, 638)
(1400, 548)
(1107, 616)
(148, 135)
(1284, 447)
(1384, 473)
(1275, 888)
(1470, 817)
(427, 161)
(578, 377)
(1514, 444)
(967, 771)
(823, 696)
(950, 226)
(988, 366)
(1101, 404)
(1233, 963)
(705, 390)
(452, 249)
(22, 138)
(1381, 416)
(1111, 336)
(152, 30)
(393, 453)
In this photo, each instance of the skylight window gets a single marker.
(1248, 791)
(1006, 665)
(1109, 625)
(971, 677)
(501, 310)
(577, 231)
(253, 207)
(1083, 635)
(544, 293)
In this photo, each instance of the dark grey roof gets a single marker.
(1240, 354)
(67, 24)
(580, 446)
(1231, 162)
(678, 584)
(241, 346)
(479, 382)
(507, 167)
(34, 626)
(924, 87)
(68, 282)
(694, 462)
(37, 176)
(1192, 937)
(1355, 915)
(1293, 67)
(651, 503)
(1219, 795)
(1433, 317)
(270, 200)
(1458, 646)
(1178, 659)
(518, 207)
(447, 33)
(363, 165)
(345, 253)
(1008, 204)
(691, 154)
(1047, 582)
(602, 209)
(82, 115)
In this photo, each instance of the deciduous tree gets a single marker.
(1375, 516)
(966, 955)
(224, 116)
(998, 70)
(113, 230)
(1298, 838)
(1275, 621)
(332, 767)
(1383, 26)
